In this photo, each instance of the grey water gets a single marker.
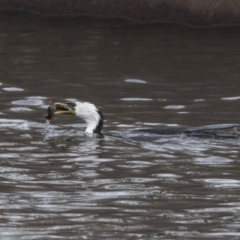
(58, 183)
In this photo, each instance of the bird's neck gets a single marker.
(91, 127)
(92, 116)
(94, 126)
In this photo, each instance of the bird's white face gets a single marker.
(85, 110)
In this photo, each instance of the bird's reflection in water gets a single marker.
(77, 142)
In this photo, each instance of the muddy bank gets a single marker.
(194, 12)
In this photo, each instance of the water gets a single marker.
(57, 183)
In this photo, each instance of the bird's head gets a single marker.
(58, 109)
(85, 110)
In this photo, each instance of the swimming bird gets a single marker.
(91, 114)
(94, 119)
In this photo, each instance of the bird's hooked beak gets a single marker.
(59, 108)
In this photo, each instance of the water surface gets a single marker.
(58, 183)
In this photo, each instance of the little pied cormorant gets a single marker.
(91, 114)
(94, 118)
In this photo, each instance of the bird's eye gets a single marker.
(72, 105)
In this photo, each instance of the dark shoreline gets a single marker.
(192, 12)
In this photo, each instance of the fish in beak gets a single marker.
(58, 109)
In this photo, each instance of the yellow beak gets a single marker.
(58, 109)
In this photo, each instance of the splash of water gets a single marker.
(47, 123)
